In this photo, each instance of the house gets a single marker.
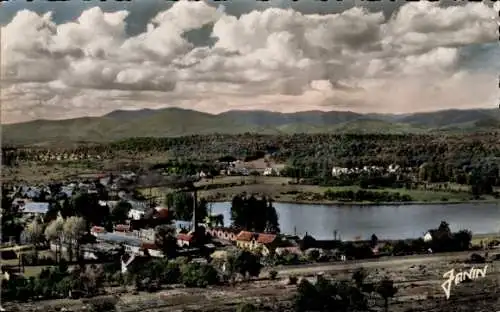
(393, 168)
(160, 213)
(95, 230)
(263, 243)
(128, 260)
(428, 236)
(268, 243)
(288, 250)
(270, 172)
(136, 214)
(131, 243)
(246, 240)
(228, 234)
(124, 228)
(337, 171)
(35, 208)
(185, 239)
(145, 234)
(151, 249)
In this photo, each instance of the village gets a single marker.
(137, 231)
(134, 223)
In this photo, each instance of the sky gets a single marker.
(87, 58)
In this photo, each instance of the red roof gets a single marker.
(122, 228)
(184, 237)
(98, 229)
(146, 245)
(162, 213)
(266, 238)
(245, 236)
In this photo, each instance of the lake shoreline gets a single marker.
(347, 204)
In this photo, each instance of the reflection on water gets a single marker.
(389, 222)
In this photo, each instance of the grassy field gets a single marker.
(281, 191)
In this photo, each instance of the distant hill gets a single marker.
(177, 122)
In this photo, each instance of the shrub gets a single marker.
(101, 304)
(273, 274)
(246, 307)
(292, 280)
(198, 275)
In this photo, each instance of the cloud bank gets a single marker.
(274, 59)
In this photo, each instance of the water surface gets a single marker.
(391, 222)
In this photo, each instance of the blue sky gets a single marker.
(299, 68)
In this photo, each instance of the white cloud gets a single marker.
(274, 59)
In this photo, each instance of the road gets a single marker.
(311, 269)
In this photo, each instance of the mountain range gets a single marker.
(122, 124)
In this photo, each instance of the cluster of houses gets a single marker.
(338, 171)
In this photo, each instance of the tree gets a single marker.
(198, 275)
(87, 206)
(34, 233)
(247, 264)
(373, 240)
(246, 307)
(92, 279)
(215, 220)
(119, 214)
(326, 295)
(386, 290)
(74, 228)
(359, 277)
(254, 214)
(11, 218)
(54, 232)
(165, 239)
(182, 204)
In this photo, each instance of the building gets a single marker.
(267, 243)
(136, 214)
(35, 208)
(228, 234)
(337, 171)
(270, 172)
(131, 244)
(246, 240)
(185, 239)
(95, 230)
(124, 228)
(428, 237)
(145, 234)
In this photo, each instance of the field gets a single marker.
(418, 279)
(225, 188)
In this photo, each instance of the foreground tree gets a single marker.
(34, 234)
(386, 290)
(54, 233)
(247, 264)
(74, 228)
(331, 296)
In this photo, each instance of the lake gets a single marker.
(388, 222)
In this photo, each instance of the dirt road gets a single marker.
(312, 269)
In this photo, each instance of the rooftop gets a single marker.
(35, 207)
